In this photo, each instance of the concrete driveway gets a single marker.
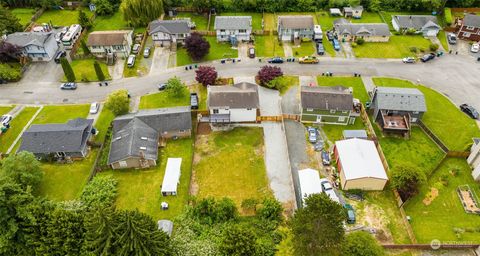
(43, 72)
(159, 60)
(116, 71)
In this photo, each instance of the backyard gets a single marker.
(355, 83)
(217, 51)
(112, 22)
(256, 18)
(24, 14)
(201, 20)
(397, 47)
(218, 174)
(268, 46)
(16, 127)
(61, 114)
(84, 70)
(61, 17)
(335, 132)
(163, 100)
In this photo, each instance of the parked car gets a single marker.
(162, 86)
(350, 214)
(325, 157)
(68, 86)
(336, 45)
(131, 61)
(276, 60)
(193, 100)
(320, 49)
(251, 52)
(308, 60)
(312, 135)
(330, 36)
(475, 47)
(452, 38)
(428, 57)
(5, 120)
(136, 48)
(94, 107)
(327, 188)
(146, 52)
(469, 110)
(408, 60)
(59, 55)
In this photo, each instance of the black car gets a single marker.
(193, 100)
(277, 60)
(59, 55)
(69, 86)
(469, 110)
(320, 49)
(162, 86)
(428, 57)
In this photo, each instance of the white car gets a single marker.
(327, 188)
(5, 119)
(408, 60)
(94, 107)
(475, 47)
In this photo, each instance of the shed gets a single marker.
(309, 180)
(335, 12)
(165, 226)
(172, 177)
(359, 165)
(350, 134)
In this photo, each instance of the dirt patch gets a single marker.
(430, 196)
(204, 129)
(375, 217)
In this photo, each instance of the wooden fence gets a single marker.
(472, 9)
(270, 118)
(434, 137)
(206, 32)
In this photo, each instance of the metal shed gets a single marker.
(172, 177)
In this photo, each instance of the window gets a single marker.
(470, 28)
(344, 112)
(309, 109)
(341, 119)
(181, 131)
(416, 112)
(249, 108)
(466, 34)
(222, 30)
(215, 111)
(242, 31)
(332, 111)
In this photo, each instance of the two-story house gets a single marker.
(469, 27)
(233, 29)
(101, 43)
(168, 32)
(325, 104)
(370, 32)
(295, 27)
(38, 46)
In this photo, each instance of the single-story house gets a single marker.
(171, 179)
(136, 136)
(165, 226)
(38, 46)
(233, 103)
(335, 12)
(469, 27)
(427, 25)
(58, 141)
(295, 27)
(474, 159)
(309, 181)
(233, 29)
(359, 165)
(326, 104)
(395, 108)
(370, 32)
(167, 32)
(102, 43)
(353, 12)
(350, 134)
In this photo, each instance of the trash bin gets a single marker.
(196, 65)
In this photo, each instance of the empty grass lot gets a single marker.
(268, 46)
(24, 14)
(356, 83)
(217, 51)
(16, 127)
(453, 127)
(335, 132)
(61, 114)
(201, 20)
(270, 21)
(397, 47)
(442, 36)
(256, 18)
(84, 70)
(5, 109)
(231, 164)
(112, 22)
(163, 100)
(140, 189)
(62, 17)
(445, 212)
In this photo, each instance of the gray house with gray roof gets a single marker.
(38, 46)
(370, 32)
(325, 104)
(233, 29)
(136, 136)
(427, 25)
(58, 141)
(167, 32)
(295, 27)
(469, 27)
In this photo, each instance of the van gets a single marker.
(251, 52)
(131, 61)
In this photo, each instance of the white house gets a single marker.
(171, 179)
(309, 181)
(233, 28)
(102, 43)
(474, 159)
(427, 25)
(233, 103)
(38, 46)
(167, 32)
(359, 165)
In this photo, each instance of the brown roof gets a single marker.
(326, 98)
(102, 38)
(296, 21)
(241, 95)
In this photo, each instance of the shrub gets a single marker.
(268, 73)
(101, 191)
(448, 16)
(98, 71)
(210, 211)
(197, 46)
(354, 45)
(206, 75)
(434, 47)
(271, 209)
(414, 49)
(407, 180)
(360, 41)
(67, 70)
(249, 204)
(10, 72)
(84, 77)
(118, 102)
(421, 49)
(410, 31)
(279, 83)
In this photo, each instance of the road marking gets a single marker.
(23, 130)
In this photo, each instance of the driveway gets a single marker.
(159, 60)
(348, 50)
(43, 72)
(287, 49)
(116, 71)
(242, 49)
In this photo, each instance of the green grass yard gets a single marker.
(202, 96)
(256, 18)
(217, 51)
(442, 36)
(201, 20)
(335, 132)
(84, 70)
(140, 189)
(113, 22)
(5, 109)
(163, 100)
(453, 127)
(62, 17)
(304, 49)
(268, 46)
(16, 127)
(397, 47)
(270, 21)
(61, 113)
(103, 123)
(24, 14)
(356, 83)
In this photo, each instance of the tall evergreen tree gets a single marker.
(9, 23)
(100, 236)
(67, 70)
(98, 71)
(141, 12)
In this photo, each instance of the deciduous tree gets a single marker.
(407, 180)
(118, 102)
(23, 168)
(197, 47)
(9, 51)
(175, 87)
(141, 12)
(206, 75)
(361, 243)
(268, 73)
(83, 20)
(104, 7)
(238, 240)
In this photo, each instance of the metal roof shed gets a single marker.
(165, 226)
(309, 180)
(349, 134)
(172, 177)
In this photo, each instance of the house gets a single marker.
(350, 134)
(233, 29)
(353, 12)
(38, 46)
(325, 104)
(136, 136)
(171, 179)
(309, 181)
(359, 165)
(58, 141)
(118, 42)
(167, 32)
(335, 12)
(370, 32)
(396, 108)
(427, 25)
(469, 27)
(474, 159)
(295, 27)
(233, 104)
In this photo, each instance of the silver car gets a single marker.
(146, 52)
(94, 107)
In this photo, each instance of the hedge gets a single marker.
(448, 16)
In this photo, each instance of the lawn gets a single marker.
(270, 21)
(61, 114)
(16, 127)
(5, 109)
(140, 189)
(113, 22)
(103, 122)
(61, 17)
(296, 13)
(163, 100)
(268, 46)
(63, 182)
(442, 36)
(291, 81)
(256, 18)
(368, 17)
(24, 14)
(397, 47)
(217, 51)
(442, 212)
(230, 164)
(355, 83)
(84, 70)
(304, 49)
(335, 132)
(201, 21)
(202, 96)
(453, 127)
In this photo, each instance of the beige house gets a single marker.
(474, 159)
(370, 32)
(102, 43)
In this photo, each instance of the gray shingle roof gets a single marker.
(401, 99)
(169, 27)
(417, 22)
(108, 38)
(326, 97)
(471, 20)
(295, 21)
(361, 29)
(52, 138)
(23, 39)
(241, 95)
(233, 22)
(361, 134)
(351, 9)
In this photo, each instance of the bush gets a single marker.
(278, 83)
(434, 47)
(407, 180)
(360, 41)
(448, 16)
(271, 210)
(354, 45)
(421, 49)
(118, 102)
(210, 211)
(414, 49)
(410, 31)
(10, 72)
(98, 71)
(268, 73)
(101, 191)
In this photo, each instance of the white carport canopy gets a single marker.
(309, 180)
(172, 176)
